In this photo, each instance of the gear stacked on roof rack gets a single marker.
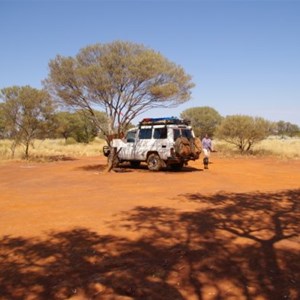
(163, 121)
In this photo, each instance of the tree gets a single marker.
(65, 124)
(78, 125)
(243, 131)
(283, 128)
(2, 125)
(87, 129)
(203, 119)
(26, 113)
(121, 78)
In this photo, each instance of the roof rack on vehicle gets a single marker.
(165, 120)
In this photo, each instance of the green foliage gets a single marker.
(85, 131)
(283, 128)
(65, 122)
(26, 114)
(78, 125)
(203, 119)
(122, 78)
(2, 121)
(243, 131)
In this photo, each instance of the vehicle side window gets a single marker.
(176, 134)
(130, 138)
(187, 133)
(145, 133)
(160, 133)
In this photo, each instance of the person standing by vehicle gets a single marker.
(207, 148)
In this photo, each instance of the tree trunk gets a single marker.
(27, 150)
(13, 149)
(249, 146)
(112, 161)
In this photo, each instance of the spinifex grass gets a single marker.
(284, 148)
(52, 149)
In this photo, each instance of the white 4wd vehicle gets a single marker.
(160, 142)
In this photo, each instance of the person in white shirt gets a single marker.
(207, 148)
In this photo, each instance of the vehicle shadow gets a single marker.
(125, 167)
(235, 246)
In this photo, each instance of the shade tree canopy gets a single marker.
(122, 79)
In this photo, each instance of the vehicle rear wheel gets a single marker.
(154, 162)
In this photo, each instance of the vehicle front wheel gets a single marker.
(154, 162)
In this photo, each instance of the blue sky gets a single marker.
(244, 56)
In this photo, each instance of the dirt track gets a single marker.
(68, 230)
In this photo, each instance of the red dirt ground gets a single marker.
(70, 231)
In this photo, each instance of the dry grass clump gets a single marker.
(5, 151)
(52, 149)
(225, 149)
(284, 148)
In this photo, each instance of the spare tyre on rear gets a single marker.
(196, 147)
(182, 147)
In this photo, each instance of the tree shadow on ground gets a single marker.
(51, 158)
(94, 167)
(236, 246)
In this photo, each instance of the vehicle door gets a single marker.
(144, 143)
(161, 143)
(127, 151)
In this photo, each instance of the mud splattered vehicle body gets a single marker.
(160, 142)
